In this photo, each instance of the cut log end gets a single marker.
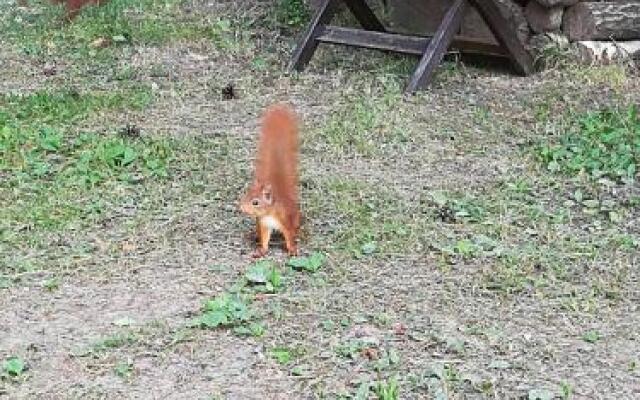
(606, 52)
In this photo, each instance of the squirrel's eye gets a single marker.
(255, 202)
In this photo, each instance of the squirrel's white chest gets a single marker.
(271, 223)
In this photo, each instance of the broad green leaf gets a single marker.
(213, 319)
(591, 336)
(368, 248)
(311, 263)
(540, 394)
(281, 355)
(13, 366)
(259, 272)
(499, 364)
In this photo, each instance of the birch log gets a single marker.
(603, 52)
(602, 21)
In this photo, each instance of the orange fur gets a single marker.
(73, 7)
(272, 198)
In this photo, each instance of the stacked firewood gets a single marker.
(600, 30)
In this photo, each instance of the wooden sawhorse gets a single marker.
(431, 48)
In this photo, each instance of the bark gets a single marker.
(542, 19)
(555, 3)
(602, 21)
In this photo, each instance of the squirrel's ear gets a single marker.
(267, 194)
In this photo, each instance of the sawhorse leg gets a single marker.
(441, 41)
(364, 15)
(323, 16)
(308, 44)
(505, 34)
(438, 46)
(433, 52)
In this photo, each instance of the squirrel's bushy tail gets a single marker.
(277, 161)
(280, 120)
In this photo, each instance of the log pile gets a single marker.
(599, 30)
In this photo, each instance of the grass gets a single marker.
(66, 107)
(372, 219)
(121, 23)
(65, 175)
(108, 343)
(65, 179)
(56, 177)
(363, 126)
(387, 390)
(614, 75)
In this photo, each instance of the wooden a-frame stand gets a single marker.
(431, 49)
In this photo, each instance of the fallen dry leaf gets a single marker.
(101, 43)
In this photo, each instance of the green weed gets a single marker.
(226, 310)
(602, 144)
(554, 55)
(387, 390)
(387, 360)
(352, 348)
(116, 341)
(452, 207)
(282, 355)
(13, 367)
(292, 13)
(264, 276)
(124, 369)
(311, 263)
(567, 390)
(256, 329)
(5, 282)
(51, 284)
(591, 336)
(468, 248)
(65, 178)
(540, 394)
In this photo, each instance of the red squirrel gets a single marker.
(272, 198)
(73, 6)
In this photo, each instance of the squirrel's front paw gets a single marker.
(258, 253)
